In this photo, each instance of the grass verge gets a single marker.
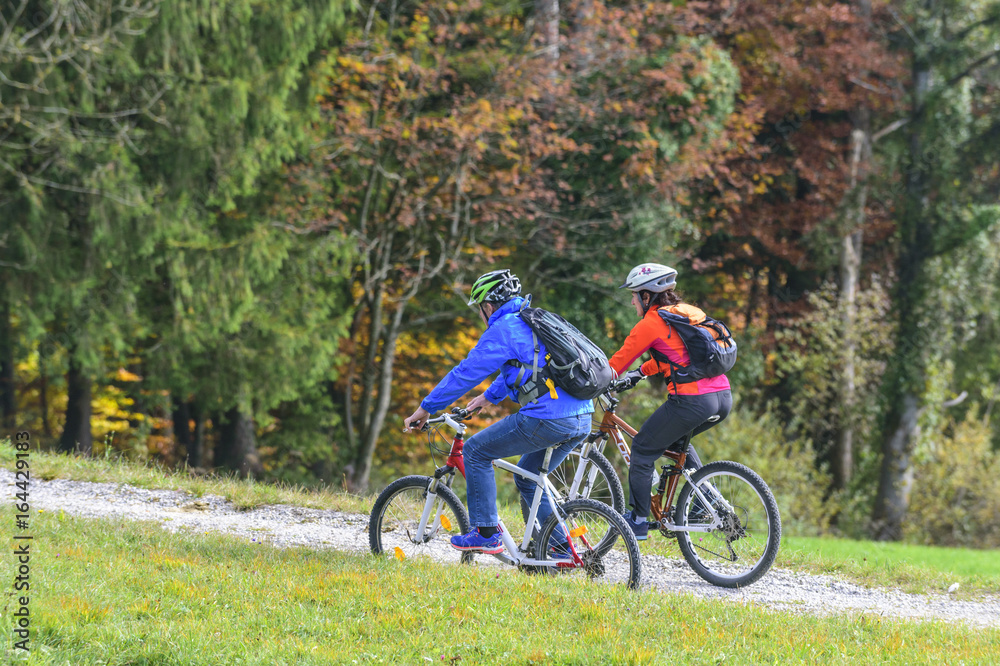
(243, 493)
(131, 593)
(912, 567)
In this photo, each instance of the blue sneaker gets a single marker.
(476, 542)
(640, 528)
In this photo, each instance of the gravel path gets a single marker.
(283, 526)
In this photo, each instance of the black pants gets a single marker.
(678, 416)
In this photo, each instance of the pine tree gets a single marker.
(68, 187)
(245, 308)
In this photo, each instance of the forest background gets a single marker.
(237, 235)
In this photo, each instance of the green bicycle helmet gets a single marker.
(495, 287)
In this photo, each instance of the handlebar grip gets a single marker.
(623, 384)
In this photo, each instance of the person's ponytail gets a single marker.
(662, 299)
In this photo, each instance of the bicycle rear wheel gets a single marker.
(394, 525)
(604, 542)
(743, 548)
(599, 481)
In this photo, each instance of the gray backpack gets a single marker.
(572, 361)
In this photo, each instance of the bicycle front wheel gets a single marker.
(743, 548)
(409, 521)
(601, 538)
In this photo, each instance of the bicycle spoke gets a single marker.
(598, 479)
(396, 522)
(742, 545)
(602, 551)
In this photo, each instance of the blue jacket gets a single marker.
(506, 338)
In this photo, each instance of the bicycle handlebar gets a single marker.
(454, 419)
(621, 385)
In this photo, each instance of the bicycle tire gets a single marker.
(391, 507)
(753, 533)
(618, 547)
(606, 485)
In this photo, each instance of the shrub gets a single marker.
(786, 465)
(956, 498)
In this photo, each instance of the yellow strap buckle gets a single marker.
(552, 388)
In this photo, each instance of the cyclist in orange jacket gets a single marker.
(688, 406)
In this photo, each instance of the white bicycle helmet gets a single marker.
(656, 278)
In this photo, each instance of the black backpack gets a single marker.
(709, 343)
(573, 362)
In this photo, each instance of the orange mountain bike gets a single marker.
(725, 520)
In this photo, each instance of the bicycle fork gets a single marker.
(433, 505)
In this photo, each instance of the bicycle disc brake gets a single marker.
(428, 535)
(593, 564)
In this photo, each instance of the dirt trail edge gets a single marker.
(285, 526)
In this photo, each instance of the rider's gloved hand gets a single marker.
(630, 379)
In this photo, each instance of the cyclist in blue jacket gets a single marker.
(558, 420)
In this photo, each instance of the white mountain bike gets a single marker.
(418, 515)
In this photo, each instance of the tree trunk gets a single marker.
(348, 400)
(363, 462)
(752, 298)
(907, 372)
(76, 435)
(204, 457)
(547, 29)
(43, 390)
(183, 440)
(196, 456)
(896, 477)
(583, 35)
(850, 264)
(843, 459)
(237, 448)
(8, 388)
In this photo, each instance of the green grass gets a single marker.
(909, 567)
(131, 593)
(912, 568)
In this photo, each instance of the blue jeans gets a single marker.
(508, 437)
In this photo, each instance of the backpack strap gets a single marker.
(532, 389)
(660, 357)
(539, 383)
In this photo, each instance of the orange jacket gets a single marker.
(653, 333)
